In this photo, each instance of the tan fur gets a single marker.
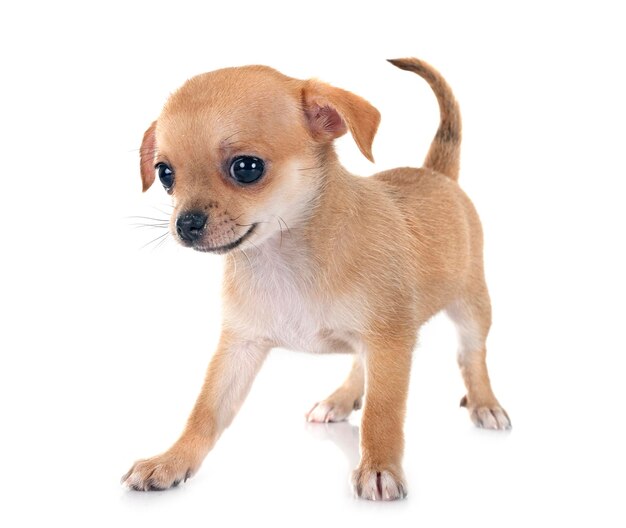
(334, 262)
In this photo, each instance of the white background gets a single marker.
(104, 343)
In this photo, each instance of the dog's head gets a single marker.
(244, 151)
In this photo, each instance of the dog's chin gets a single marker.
(223, 249)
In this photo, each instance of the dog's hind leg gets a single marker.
(471, 314)
(344, 400)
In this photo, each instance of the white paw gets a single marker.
(490, 418)
(487, 416)
(331, 411)
(158, 473)
(378, 485)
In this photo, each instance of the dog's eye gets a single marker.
(166, 175)
(247, 169)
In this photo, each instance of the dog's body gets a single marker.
(319, 260)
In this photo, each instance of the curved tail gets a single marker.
(445, 150)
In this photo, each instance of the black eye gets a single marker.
(247, 169)
(166, 175)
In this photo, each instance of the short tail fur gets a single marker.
(445, 150)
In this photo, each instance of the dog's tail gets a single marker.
(445, 150)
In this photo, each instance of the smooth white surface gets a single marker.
(104, 344)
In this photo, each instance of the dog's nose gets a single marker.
(189, 226)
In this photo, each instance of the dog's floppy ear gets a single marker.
(331, 112)
(146, 156)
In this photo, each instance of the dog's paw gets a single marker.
(488, 416)
(158, 473)
(332, 410)
(378, 484)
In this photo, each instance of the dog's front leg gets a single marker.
(228, 380)
(387, 366)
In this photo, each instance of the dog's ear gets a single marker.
(146, 156)
(331, 112)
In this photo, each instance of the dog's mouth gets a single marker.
(226, 247)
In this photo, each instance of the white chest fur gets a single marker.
(276, 301)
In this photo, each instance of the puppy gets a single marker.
(318, 259)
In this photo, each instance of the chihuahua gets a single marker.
(318, 259)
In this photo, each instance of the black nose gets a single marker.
(189, 226)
